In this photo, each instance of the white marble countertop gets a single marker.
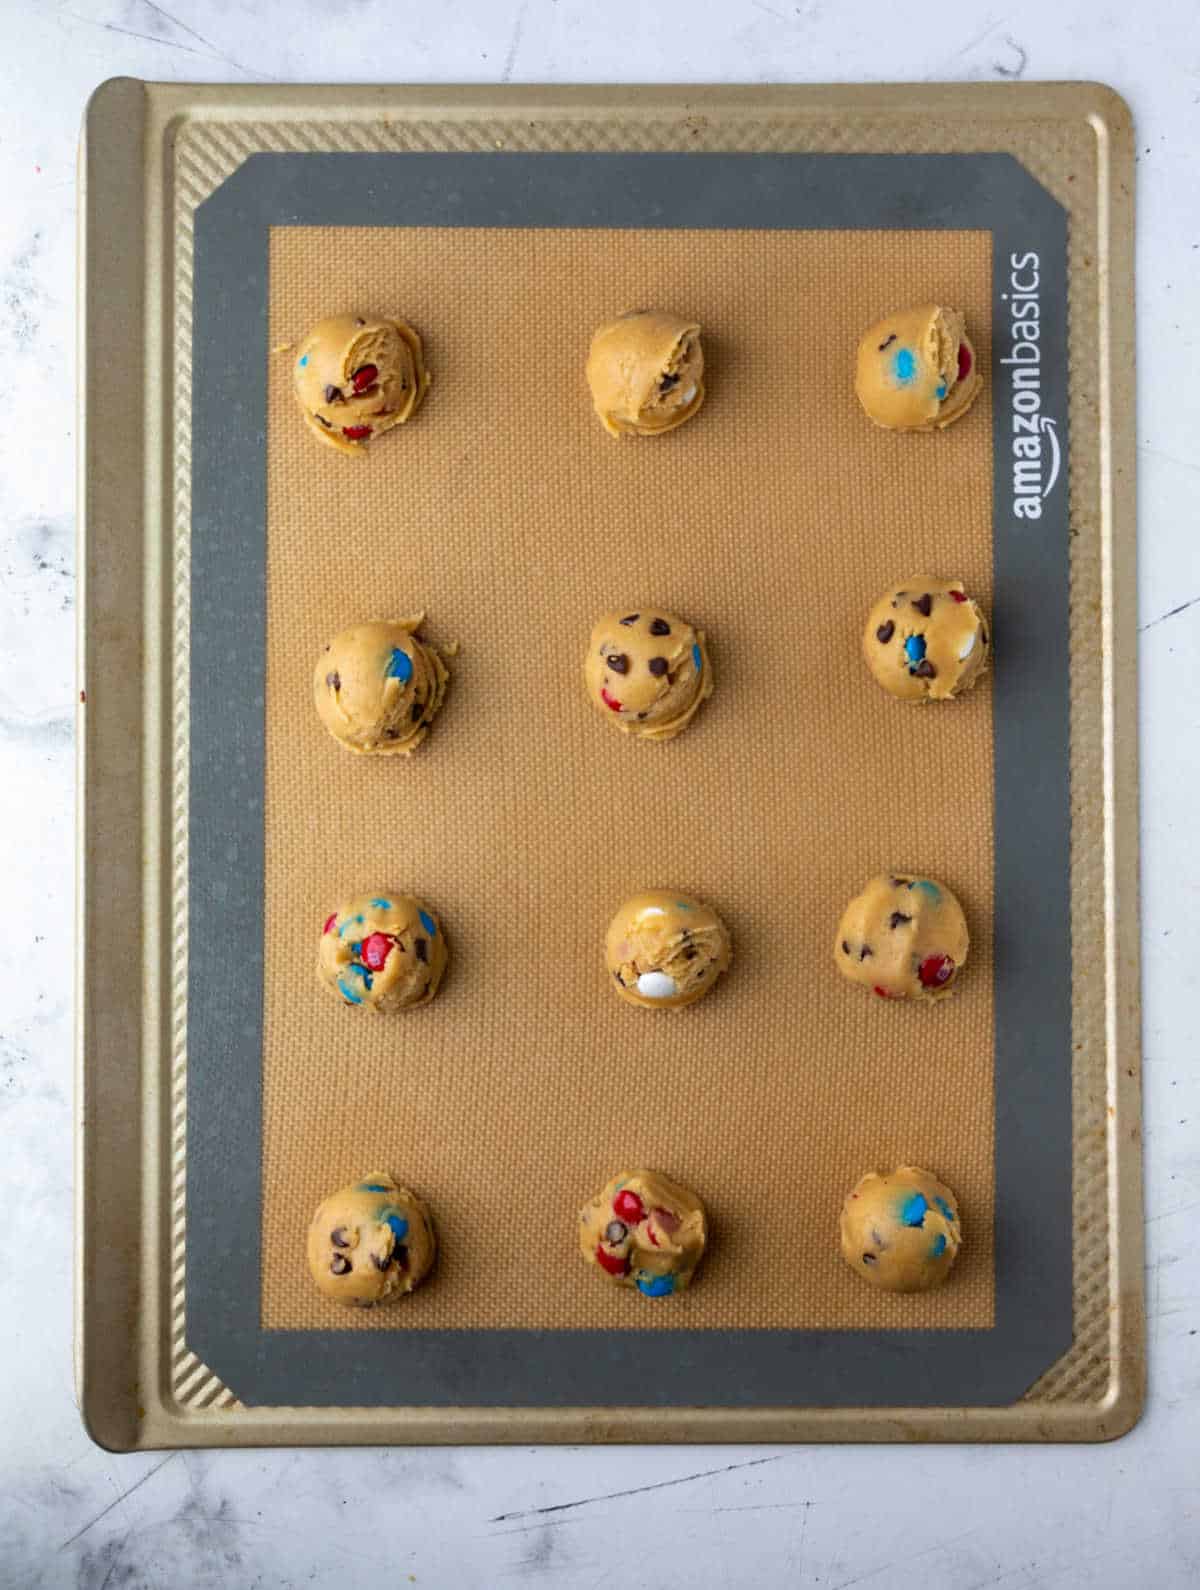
(959, 1518)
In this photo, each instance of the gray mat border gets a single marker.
(1032, 970)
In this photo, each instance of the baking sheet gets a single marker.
(743, 643)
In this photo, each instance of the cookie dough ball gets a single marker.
(926, 640)
(917, 370)
(371, 1242)
(903, 937)
(383, 952)
(646, 372)
(356, 376)
(646, 1231)
(378, 687)
(647, 672)
(901, 1232)
(666, 949)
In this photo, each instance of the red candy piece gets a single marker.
(667, 1220)
(964, 361)
(935, 970)
(654, 1242)
(883, 993)
(612, 1262)
(627, 1206)
(330, 923)
(356, 433)
(376, 948)
(959, 596)
(609, 701)
(365, 377)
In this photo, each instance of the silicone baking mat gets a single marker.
(772, 521)
(773, 524)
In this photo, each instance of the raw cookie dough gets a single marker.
(646, 372)
(371, 1242)
(917, 370)
(647, 672)
(904, 937)
(356, 376)
(378, 686)
(383, 951)
(926, 639)
(901, 1232)
(644, 1230)
(666, 949)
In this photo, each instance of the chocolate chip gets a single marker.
(615, 1231)
(869, 1258)
(864, 952)
(416, 710)
(845, 948)
(983, 636)
(901, 883)
(659, 626)
(888, 343)
(898, 919)
(391, 733)
(333, 394)
(642, 715)
(419, 945)
(618, 662)
(339, 1238)
(619, 978)
(334, 680)
(380, 1261)
(885, 632)
(321, 418)
(658, 666)
(690, 953)
(632, 619)
(925, 669)
(923, 604)
(400, 1256)
(358, 321)
(667, 382)
(340, 1264)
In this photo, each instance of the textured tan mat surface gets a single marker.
(772, 521)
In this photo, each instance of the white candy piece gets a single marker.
(968, 646)
(657, 985)
(689, 394)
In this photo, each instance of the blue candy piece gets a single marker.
(382, 905)
(904, 366)
(941, 391)
(348, 993)
(356, 949)
(914, 1209)
(428, 923)
(400, 667)
(372, 1186)
(945, 1208)
(931, 889)
(697, 658)
(354, 970)
(400, 1226)
(303, 361)
(656, 1285)
(914, 648)
(939, 1246)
